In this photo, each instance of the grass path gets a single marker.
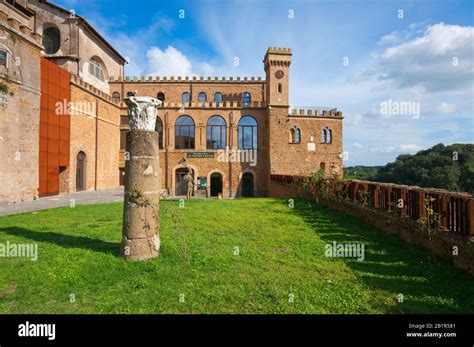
(280, 256)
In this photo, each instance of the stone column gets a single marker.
(140, 232)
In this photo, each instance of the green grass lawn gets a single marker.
(281, 256)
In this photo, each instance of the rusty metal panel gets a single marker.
(54, 139)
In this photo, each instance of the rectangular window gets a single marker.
(248, 137)
(184, 138)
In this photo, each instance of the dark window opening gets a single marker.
(51, 40)
(218, 99)
(247, 99)
(216, 133)
(247, 133)
(159, 129)
(116, 96)
(184, 133)
(202, 99)
(3, 58)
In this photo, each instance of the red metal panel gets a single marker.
(54, 139)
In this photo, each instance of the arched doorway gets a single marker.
(216, 184)
(81, 171)
(181, 185)
(247, 185)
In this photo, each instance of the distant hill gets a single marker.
(446, 167)
(361, 172)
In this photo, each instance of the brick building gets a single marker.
(63, 122)
(234, 133)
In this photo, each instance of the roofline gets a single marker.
(90, 27)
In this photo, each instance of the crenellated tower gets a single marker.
(277, 68)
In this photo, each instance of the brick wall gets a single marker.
(94, 128)
(299, 158)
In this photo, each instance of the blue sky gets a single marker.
(358, 56)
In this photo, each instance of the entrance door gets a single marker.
(216, 184)
(181, 184)
(81, 171)
(247, 184)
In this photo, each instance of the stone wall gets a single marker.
(19, 109)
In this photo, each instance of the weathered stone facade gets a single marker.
(79, 44)
(19, 104)
(52, 114)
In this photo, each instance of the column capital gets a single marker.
(142, 112)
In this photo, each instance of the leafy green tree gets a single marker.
(446, 167)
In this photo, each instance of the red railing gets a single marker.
(448, 210)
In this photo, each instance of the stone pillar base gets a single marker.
(140, 249)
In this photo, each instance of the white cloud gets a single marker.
(400, 149)
(167, 62)
(446, 108)
(398, 36)
(357, 145)
(439, 60)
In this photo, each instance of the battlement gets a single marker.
(91, 89)
(185, 79)
(312, 112)
(278, 50)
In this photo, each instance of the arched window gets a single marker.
(218, 98)
(51, 40)
(96, 69)
(247, 133)
(3, 57)
(329, 135)
(129, 94)
(280, 88)
(161, 96)
(184, 133)
(216, 133)
(295, 135)
(116, 96)
(159, 130)
(246, 98)
(322, 167)
(323, 135)
(202, 98)
(185, 98)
